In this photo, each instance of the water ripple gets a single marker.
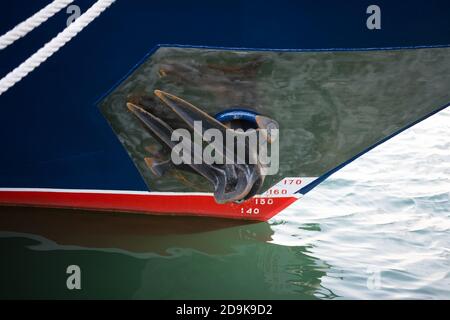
(382, 223)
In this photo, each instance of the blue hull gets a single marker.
(54, 136)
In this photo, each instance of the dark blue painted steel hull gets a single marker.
(53, 135)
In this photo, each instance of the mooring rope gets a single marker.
(32, 22)
(53, 45)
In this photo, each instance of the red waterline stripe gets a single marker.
(258, 208)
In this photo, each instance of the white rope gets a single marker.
(32, 22)
(53, 45)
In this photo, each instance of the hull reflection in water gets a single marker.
(152, 250)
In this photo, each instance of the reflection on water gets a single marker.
(384, 220)
(136, 256)
(132, 233)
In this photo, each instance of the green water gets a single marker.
(152, 257)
